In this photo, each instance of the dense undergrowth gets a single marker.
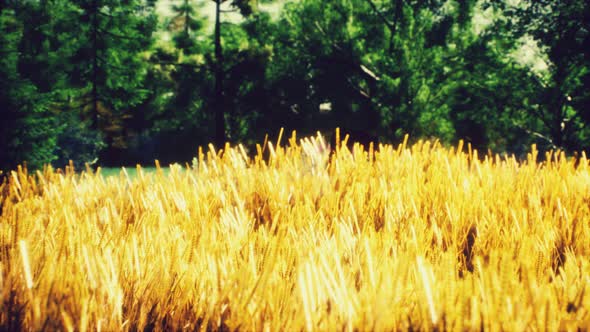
(393, 238)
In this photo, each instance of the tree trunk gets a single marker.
(95, 65)
(219, 102)
(557, 107)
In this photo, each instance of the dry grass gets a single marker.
(418, 237)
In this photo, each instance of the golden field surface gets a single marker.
(415, 237)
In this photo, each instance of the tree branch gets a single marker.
(101, 13)
(362, 68)
(15, 51)
(172, 63)
(390, 26)
(360, 90)
(536, 134)
(108, 64)
(112, 34)
(73, 105)
(542, 118)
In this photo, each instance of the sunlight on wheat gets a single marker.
(302, 236)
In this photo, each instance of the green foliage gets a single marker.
(475, 84)
(27, 130)
(84, 78)
(186, 25)
(107, 67)
(179, 82)
(376, 74)
(562, 30)
(77, 142)
(81, 59)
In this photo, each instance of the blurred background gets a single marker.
(121, 82)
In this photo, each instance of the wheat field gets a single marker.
(302, 238)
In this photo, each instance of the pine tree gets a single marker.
(200, 71)
(28, 129)
(245, 7)
(107, 67)
(186, 25)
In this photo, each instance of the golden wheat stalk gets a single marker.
(302, 236)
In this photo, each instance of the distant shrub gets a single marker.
(77, 142)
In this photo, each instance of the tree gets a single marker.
(186, 25)
(28, 130)
(561, 29)
(397, 67)
(180, 73)
(247, 53)
(475, 82)
(369, 60)
(320, 74)
(245, 8)
(107, 68)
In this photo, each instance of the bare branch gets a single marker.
(360, 90)
(536, 134)
(369, 72)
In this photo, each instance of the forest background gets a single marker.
(120, 82)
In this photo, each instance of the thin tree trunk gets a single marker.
(186, 19)
(95, 65)
(219, 102)
(557, 109)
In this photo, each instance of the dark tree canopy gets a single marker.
(119, 83)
